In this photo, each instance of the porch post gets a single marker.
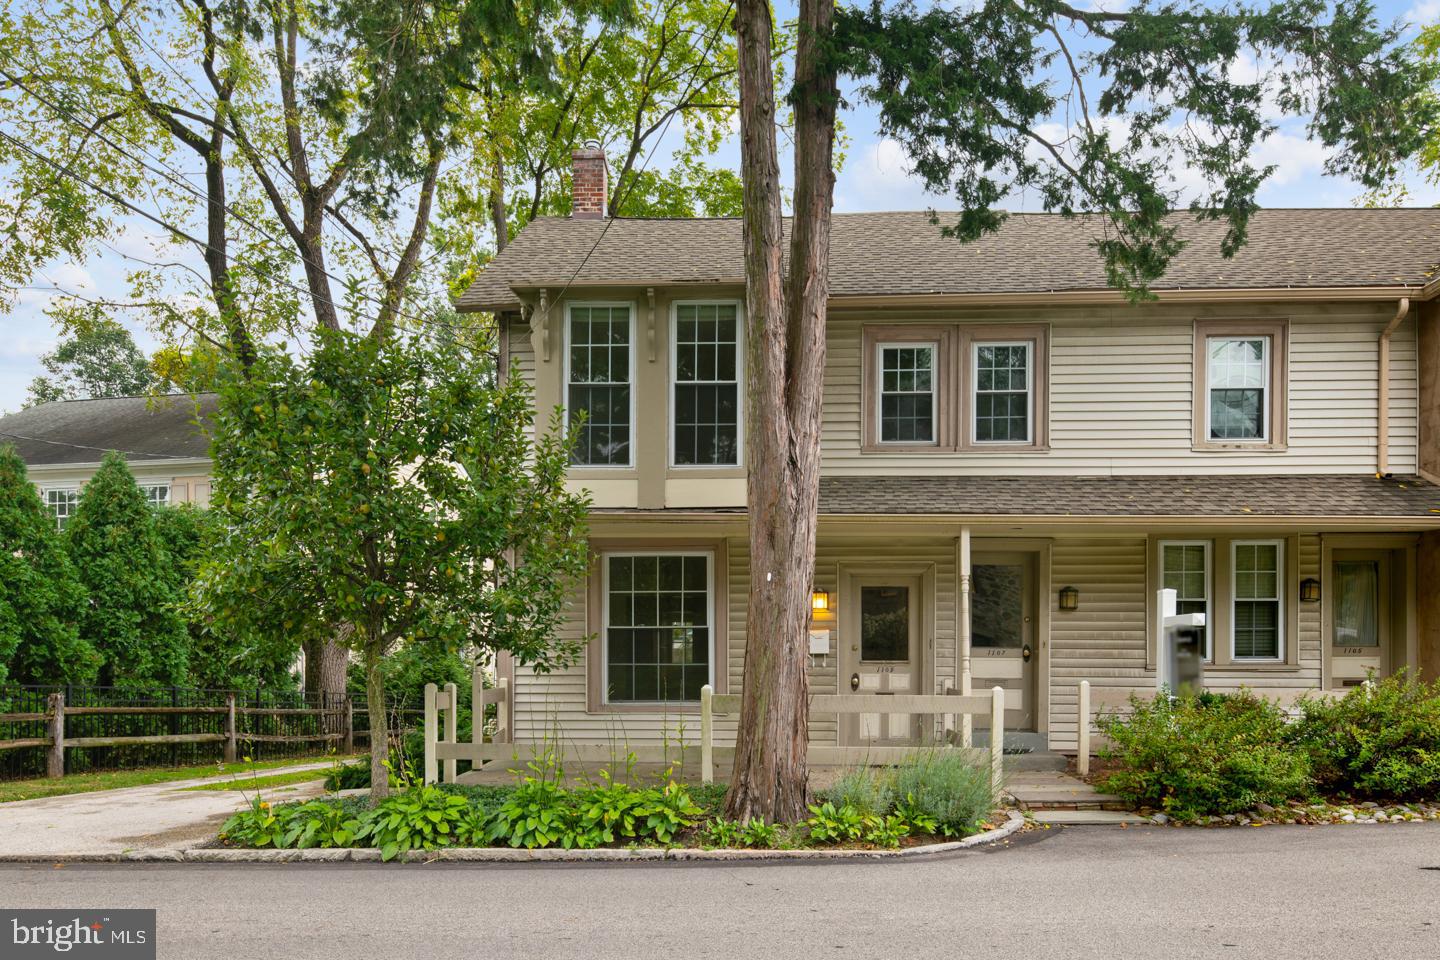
(962, 566)
(451, 723)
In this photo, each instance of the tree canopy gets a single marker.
(380, 491)
(96, 357)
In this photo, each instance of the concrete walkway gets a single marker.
(113, 821)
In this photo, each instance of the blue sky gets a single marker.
(874, 178)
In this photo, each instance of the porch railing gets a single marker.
(441, 707)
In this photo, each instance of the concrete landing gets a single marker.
(1077, 818)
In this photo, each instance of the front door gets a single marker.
(1360, 621)
(882, 656)
(1002, 632)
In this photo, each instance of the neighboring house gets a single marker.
(164, 439)
(1002, 433)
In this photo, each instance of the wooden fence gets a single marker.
(444, 748)
(230, 721)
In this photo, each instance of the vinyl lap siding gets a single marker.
(1120, 395)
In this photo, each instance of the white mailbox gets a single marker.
(1179, 649)
(819, 642)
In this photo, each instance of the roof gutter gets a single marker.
(1092, 297)
(1382, 439)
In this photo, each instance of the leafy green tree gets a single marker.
(219, 658)
(96, 358)
(40, 595)
(132, 617)
(1089, 109)
(381, 492)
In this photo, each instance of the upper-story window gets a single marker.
(62, 503)
(955, 387)
(156, 494)
(598, 372)
(706, 390)
(1239, 384)
(1002, 384)
(907, 392)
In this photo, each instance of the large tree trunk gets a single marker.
(379, 733)
(786, 352)
(326, 665)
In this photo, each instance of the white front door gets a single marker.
(1360, 623)
(1003, 651)
(882, 655)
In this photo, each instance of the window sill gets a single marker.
(934, 450)
(1247, 666)
(651, 709)
(1266, 447)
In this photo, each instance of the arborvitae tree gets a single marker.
(132, 617)
(40, 596)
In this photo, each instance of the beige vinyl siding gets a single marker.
(1105, 640)
(1121, 393)
(521, 359)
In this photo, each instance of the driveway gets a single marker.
(1273, 893)
(113, 821)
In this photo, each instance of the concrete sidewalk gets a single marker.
(114, 821)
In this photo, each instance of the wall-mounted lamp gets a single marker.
(820, 600)
(1069, 598)
(1310, 590)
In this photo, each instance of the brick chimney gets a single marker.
(587, 182)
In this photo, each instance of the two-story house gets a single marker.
(1015, 460)
(165, 441)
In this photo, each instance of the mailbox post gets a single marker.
(1179, 649)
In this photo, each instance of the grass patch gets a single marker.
(12, 790)
(261, 783)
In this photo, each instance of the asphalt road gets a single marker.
(1346, 892)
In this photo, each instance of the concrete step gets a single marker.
(1076, 818)
(1022, 742)
(1039, 761)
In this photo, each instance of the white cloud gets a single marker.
(1423, 14)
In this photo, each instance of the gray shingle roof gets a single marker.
(145, 429)
(901, 254)
(1362, 495)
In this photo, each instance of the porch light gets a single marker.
(1069, 598)
(1310, 590)
(820, 600)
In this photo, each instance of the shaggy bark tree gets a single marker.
(975, 95)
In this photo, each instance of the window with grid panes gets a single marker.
(1001, 392)
(1256, 620)
(598, 390)
(1184, 569)
(907, 393)
(707, 385)
(657, 627)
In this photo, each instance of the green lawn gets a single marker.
(111, 779)
(260, 783)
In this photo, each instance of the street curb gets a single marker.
(508, 855)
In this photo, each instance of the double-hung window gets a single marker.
(1002, 381)
(907, 392)
(1257, 602)
(598, 383)
(1185, 568)
(62, 503)
(1240, 384)
(658, 626)
(1238, 371)
(707, 385)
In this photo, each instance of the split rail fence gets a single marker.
(47, 731)
(443, 750)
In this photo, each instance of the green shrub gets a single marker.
(867, 789)
(421, 818)
(946, 787)
(318, 823)
(1198, 755)
(753, 833)
(258, 825)
(1380, 741)
(835, 824)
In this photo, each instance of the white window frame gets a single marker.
(1280, 599)
(145, 488)
(880, 347)
(974, 391)
(739, 382)
(630, 307)
(1209, 586)
(59, 488)
(1266, 399)
(710, 574)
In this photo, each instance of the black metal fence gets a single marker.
(179, 726)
